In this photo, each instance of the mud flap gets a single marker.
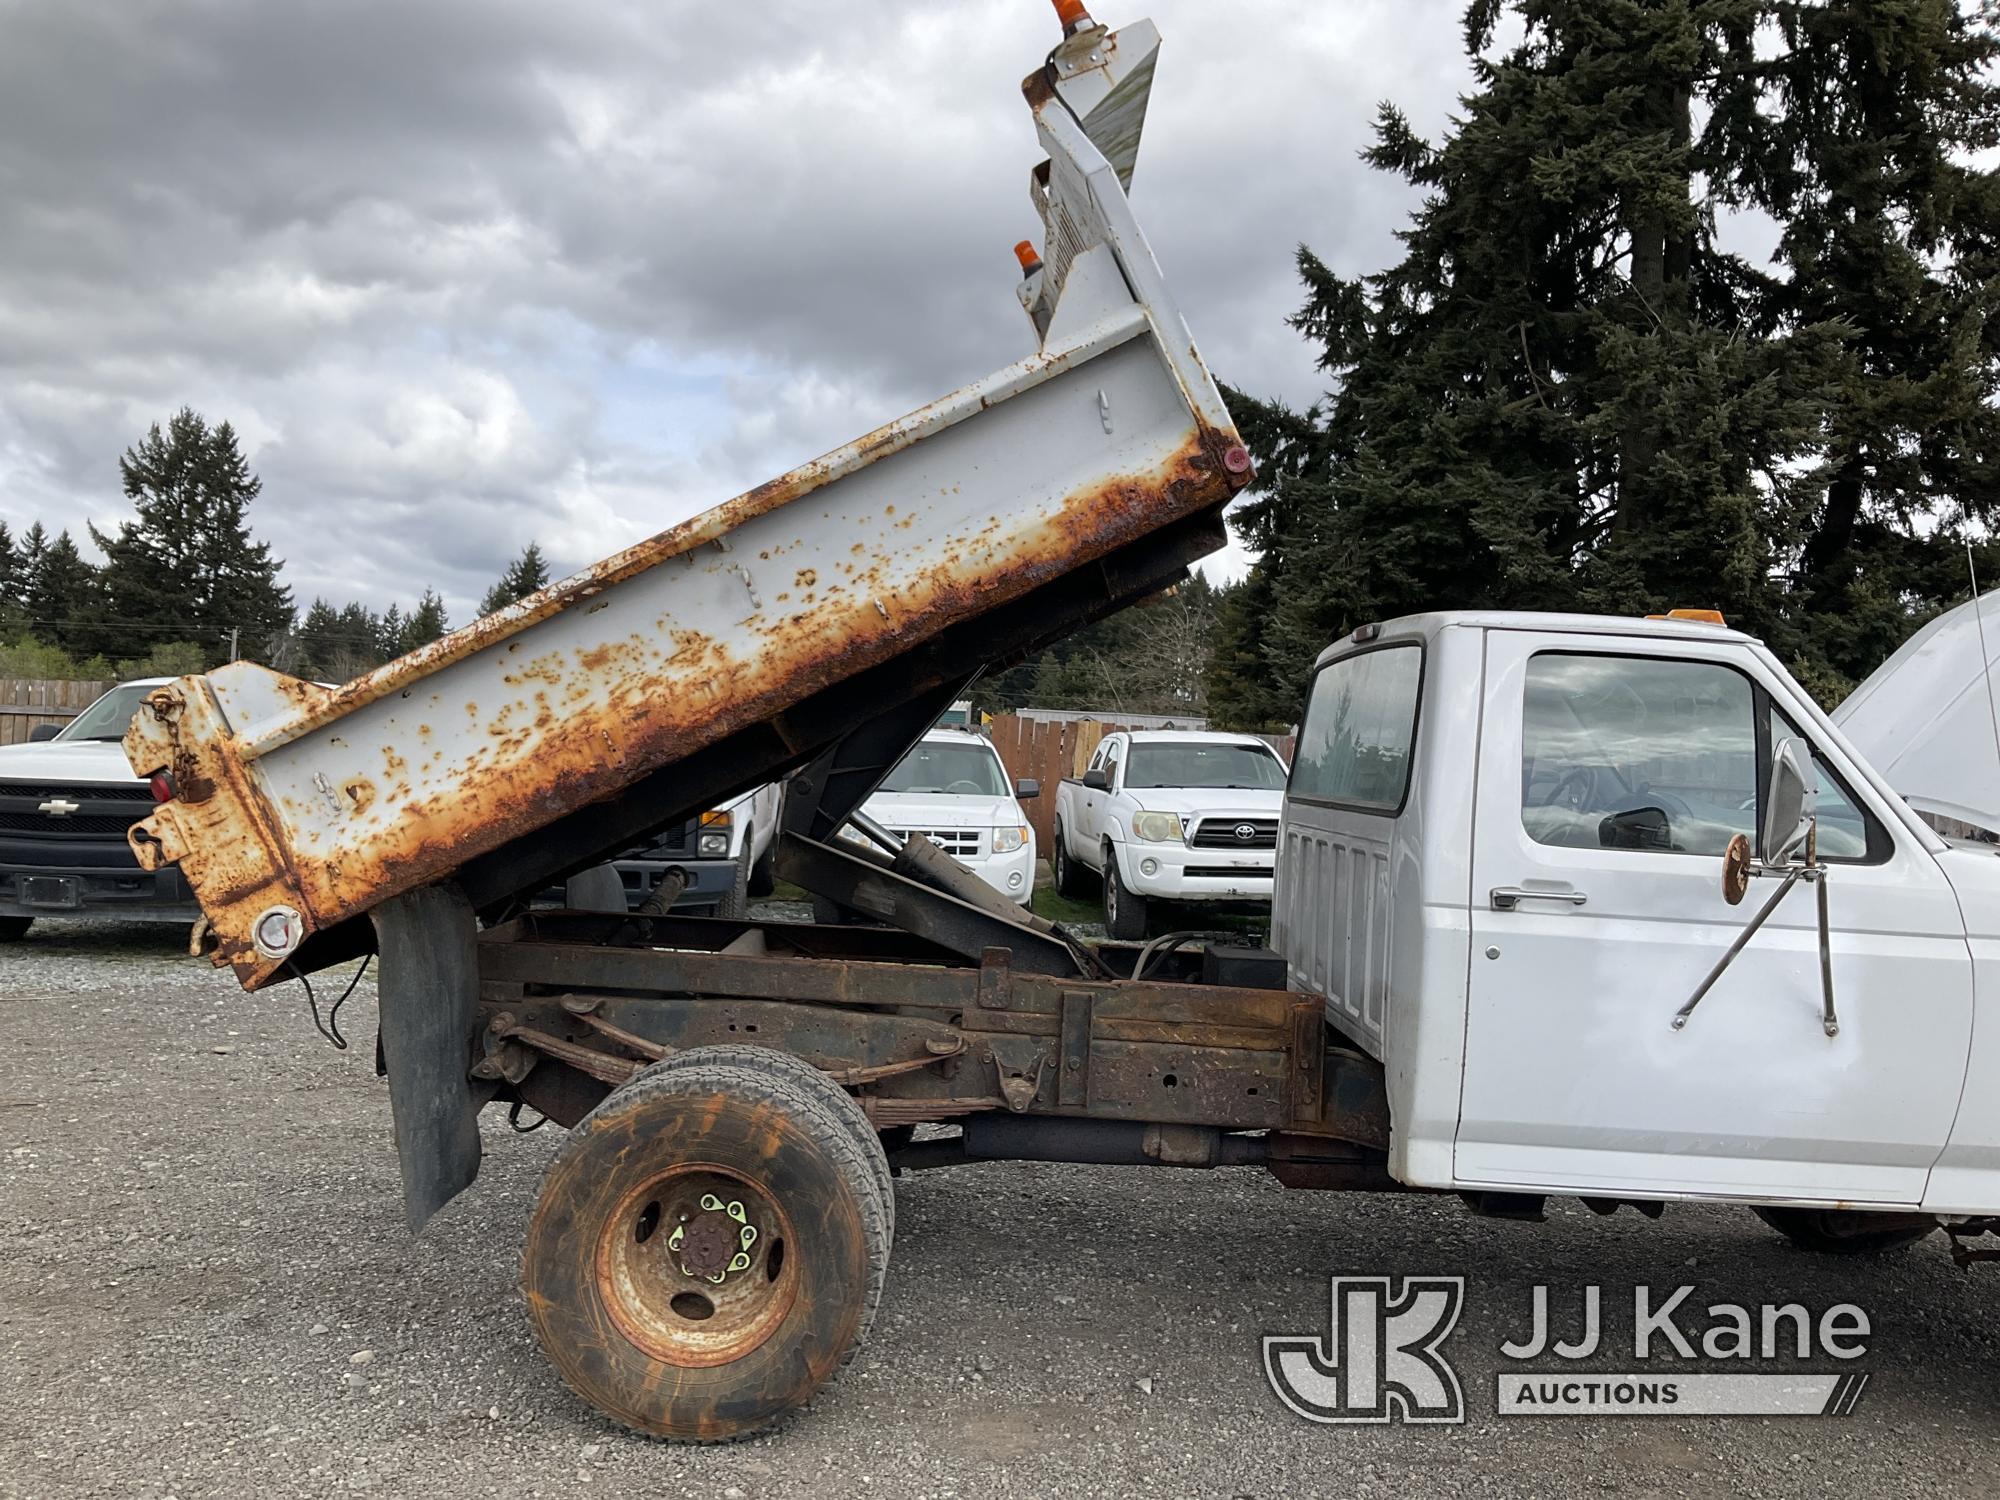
(428, 984)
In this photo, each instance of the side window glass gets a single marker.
(1111, 768)
(1843, 827)
(1634, 752)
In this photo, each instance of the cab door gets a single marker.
(1083, 838)
(1612, 773)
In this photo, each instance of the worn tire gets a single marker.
(1125, 915)
(1836, 1232)
(836, 1099)
(608, 1290)
(764, 873)
(13, 929)
(735, 903)
(1072, 880)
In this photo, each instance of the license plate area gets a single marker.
(51, 892)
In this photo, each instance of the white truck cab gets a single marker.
(1169, 817)
(1502, 866)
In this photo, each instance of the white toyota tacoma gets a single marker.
(1169, 816)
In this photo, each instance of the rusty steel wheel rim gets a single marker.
(697, 1265)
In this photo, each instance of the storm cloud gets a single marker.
(470, 273)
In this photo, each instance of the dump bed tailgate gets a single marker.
(298, 808)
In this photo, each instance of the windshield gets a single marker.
(109, 717)
(1249, 767)
(971, 770)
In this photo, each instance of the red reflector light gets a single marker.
(163, 787)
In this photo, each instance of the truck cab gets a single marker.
(1502, 868)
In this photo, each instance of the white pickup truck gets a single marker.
(1169, 816)
(1511, 853)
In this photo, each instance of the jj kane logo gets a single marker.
(1381, 1363)
(1382, 1359)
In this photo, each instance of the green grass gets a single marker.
(1062, 909)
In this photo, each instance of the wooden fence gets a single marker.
(26, 702)
(1049, 752)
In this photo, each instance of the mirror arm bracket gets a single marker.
(1813, 873)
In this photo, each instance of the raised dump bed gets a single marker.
(737, 645)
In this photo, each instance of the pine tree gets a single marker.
(1566, 393)
(187, 560)
(524, 576)
(315, 641)
(63, 596)
(389, 632)
(425, 624)
(1861, 132)
(10, 584)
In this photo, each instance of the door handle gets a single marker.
(1507, 897)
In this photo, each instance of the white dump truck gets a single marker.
(1508, 855)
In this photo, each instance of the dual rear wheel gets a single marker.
(710, 1243)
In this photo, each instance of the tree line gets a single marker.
(184, 587)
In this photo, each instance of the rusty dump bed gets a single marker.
(738, 644)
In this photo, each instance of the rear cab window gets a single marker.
(1360, 724)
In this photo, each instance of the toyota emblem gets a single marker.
(1245, 832)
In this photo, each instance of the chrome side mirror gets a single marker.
(1793, 801)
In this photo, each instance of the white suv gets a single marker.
(952, 788)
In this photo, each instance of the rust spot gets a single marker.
(359, 791)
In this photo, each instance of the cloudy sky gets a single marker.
(470, 273)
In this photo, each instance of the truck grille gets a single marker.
(960, 843)
(79, 811)
(1226, 833)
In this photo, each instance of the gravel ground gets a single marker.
(206, 1289)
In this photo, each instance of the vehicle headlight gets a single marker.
(714, 840)
(1156, 827)
(1007, 840)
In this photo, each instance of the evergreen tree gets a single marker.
(425, 624)
(62, 592)
(389, 632)
(1861, 133)
(1566, 394)
(11, 610)
(314, 642)
(187, 559)
(1243, 691)
(29, 554)
(524, 576)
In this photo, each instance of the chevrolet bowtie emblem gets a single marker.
(55, 807)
